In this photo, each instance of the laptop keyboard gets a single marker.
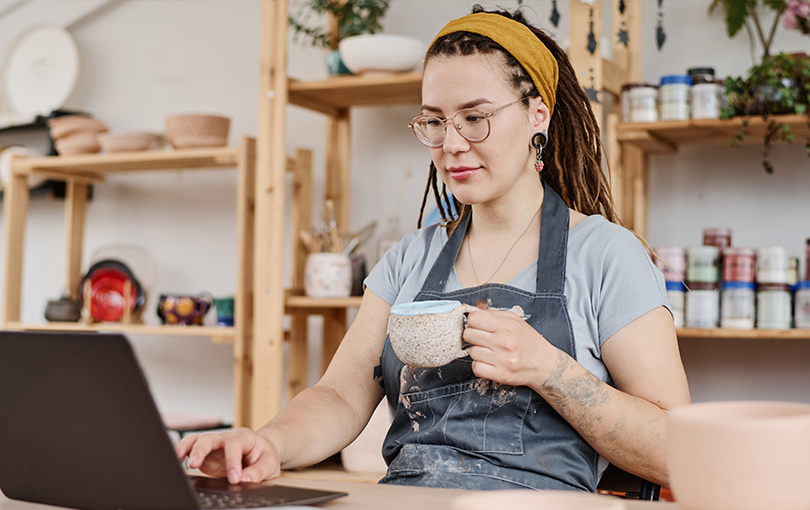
(228, 500)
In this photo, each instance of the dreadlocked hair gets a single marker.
(573, 154)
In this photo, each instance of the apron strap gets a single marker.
(440, 272)
(553, 243)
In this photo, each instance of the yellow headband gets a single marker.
(517, 39)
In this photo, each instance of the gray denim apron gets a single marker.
(452, 429)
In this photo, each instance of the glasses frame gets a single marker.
(486, 115)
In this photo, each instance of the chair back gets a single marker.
(634, 487)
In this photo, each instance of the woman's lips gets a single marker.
(459, 173)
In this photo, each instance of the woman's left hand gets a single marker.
(507, 350)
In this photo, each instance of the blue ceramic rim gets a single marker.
(673, 79)
(802, 285)
(738, 285)
(423, 307)
(675, 286)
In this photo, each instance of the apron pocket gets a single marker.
(477, 416)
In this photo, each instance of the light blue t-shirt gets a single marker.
(609, 282)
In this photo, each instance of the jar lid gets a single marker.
(738, 285)
(702, 285)
(703, 250)
(675, 79)
(773, 251)
(678, 286)
(700, 70)
(717, 231)
(765, 287)
(801, 285)
(739, 250)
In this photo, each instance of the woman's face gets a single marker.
(502, 165)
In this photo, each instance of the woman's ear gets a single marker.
(539, 114)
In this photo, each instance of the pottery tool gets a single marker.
(336, 246)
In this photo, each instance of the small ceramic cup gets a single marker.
(745, 455)
(224, 310)
(328, 275)
(183, 309)
(428, 333)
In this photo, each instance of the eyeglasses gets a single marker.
(471, 124)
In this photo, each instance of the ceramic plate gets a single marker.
(107, 279)
(41, 68)
(534, 500)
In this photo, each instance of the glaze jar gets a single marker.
(720, 237)
(707, 100)
(801, 300)
(700, 75)
(737, 305)
(674, 97)
(671, 260)
(773, 306)
(643, 103)
(739, 264)
(807, 261)
(702, 264)
(773, 265)
(676, 293)
(702, 305)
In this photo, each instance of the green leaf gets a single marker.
(736, 14)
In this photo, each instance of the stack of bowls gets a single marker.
(186, 131)
(76, 134)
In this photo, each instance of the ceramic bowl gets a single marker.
(197, 130)
(741, 455)
(125, 142)
(381, 53)
(61, 127)
(79, 142)
(535, 500)
(183, 309)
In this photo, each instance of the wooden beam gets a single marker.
(338, 174)
(585, 25)
(15, 213)
(268, 306)
(75, 214)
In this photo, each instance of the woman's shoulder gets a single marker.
(597, 229)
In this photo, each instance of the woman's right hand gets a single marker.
(240, 455)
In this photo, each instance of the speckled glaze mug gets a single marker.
(428, 333)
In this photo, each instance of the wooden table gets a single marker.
(364, 496)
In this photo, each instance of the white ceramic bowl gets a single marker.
(741, 455)
(381, 53)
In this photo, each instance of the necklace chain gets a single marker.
(469, 251)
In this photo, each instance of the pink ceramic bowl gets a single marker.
(124, 142)
(66, 125)
(740, 455)
(80, 142)
(197, 130)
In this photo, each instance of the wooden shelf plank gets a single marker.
(704, 131)
(758, 334)
(91, 165)
(342, 92)
(308, 302)
(218, 334)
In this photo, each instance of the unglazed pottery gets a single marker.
(740, 455)
(197, 130)
(535, 500)
(66, 125)
(125, 142)
(428, 333)
(381, 53)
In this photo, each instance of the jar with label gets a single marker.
(707, 100)
(793, 270)
(701, 75)
(702, 264)
(739, 264)
(773, 265)
(626, 88)
(737, 302)
(676, 293)
(644, 103)
(801, 302)
(702, 305)
(671, 260)
(773, 306)
(807, 261)
(720, 237)
(674, 97)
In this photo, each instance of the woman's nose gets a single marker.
(453, 141)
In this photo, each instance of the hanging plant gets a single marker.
(778, 84)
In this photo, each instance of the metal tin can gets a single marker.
(676, 293)
(739, 264)
(801, 301)
(671, 261)
(773, 306)
(702, 264)
(737, 302)
(773, 265)
(702, 305)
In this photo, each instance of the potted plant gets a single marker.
(346, 18)
(778, 84)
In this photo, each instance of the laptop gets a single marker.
(79, 429)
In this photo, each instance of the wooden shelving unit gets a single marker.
(80, 171)
(758, 334)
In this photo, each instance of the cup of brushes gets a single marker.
(328, 270)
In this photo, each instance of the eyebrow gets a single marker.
(469, 104)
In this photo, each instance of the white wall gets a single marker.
(143, 60)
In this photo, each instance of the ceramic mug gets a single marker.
(183, 309)
(428, 333)
(224, 310)
(328, 275)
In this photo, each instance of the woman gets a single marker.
(547, 399)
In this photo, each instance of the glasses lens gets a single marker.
(472, 125)
(429, 130)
